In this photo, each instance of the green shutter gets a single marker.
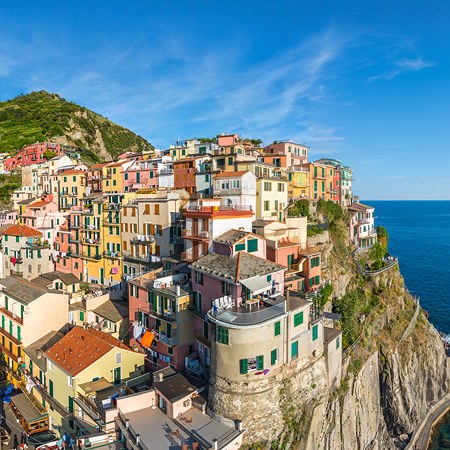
(243, 365)
(315, 332)
(50, 388)
(222, 335)
(298, 319)
(260, 362)
(205, 330)
(81, 316)
(252, 245)
(277, 328)
(19, 334)
(273, 357)
(239, 247)
(70, 404)
(294, 349)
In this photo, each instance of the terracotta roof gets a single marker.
(239, 173)
(39, 203)
(97, 166)
(21, 230)
(80, 348)
(72, 172)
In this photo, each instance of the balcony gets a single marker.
(167, 316)
(195, 234)
(111, 221)
(88, 241)
(242, 316)
(139, 259)
(190, 256)
(143, 239)
(11, 315)
(111, 206)
(89, 227)
(169, 341)
(112, 255)
(96, 257)
(74, 226)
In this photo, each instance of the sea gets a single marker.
(419, 234)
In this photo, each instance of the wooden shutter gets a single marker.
(243, 366)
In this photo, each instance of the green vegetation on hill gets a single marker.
(42, 116)
(8, 183)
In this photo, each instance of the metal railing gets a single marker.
(247, 318)
(195, 234)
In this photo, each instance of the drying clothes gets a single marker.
(147, 339)
(14, 261)
(137, 330)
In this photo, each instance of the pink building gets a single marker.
(362, 225)
(295, 152)
(159, 302)
(141, 174)
(33, 154)
(8, 217)
(227, 140)
(232, 285)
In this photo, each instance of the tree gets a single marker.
(48, 154)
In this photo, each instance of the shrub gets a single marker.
(332, 211)
(313, 230)
(300, 208)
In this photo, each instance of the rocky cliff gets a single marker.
(394, 369)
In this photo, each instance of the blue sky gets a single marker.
(367, 82)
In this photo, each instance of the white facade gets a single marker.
(236, 190)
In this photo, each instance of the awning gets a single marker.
(257, 284)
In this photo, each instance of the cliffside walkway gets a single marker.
(421, 437)
(412, 323)
(369, 273)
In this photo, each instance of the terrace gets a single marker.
(249, 312)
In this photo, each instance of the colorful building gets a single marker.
(362, 225)
(71, 187)
(286, 154)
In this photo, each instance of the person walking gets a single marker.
(15, 442)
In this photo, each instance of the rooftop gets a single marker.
(237, 174)
(175, 388)
(232, 236)
(113, 310)
(359, 207)
(35, 349)
(22, 290)
(239, 267)
(66, 278)
(330, 334)
(81, 347)
(20, 230)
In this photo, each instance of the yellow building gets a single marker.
(112, 181)
(71, 188)
(320, 181)
(298, 183)
(271, 198)
(26, 317)
(82, 356)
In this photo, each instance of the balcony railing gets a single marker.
(112, 255)
(195, 234)
(170, 341)
(88, 241)
(234, 317)
(95, 257)
(11, 315)
(190, 256)
(140, 259)
(168, 316)
(111, 206)
(143, 239)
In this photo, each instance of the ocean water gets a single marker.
(419, 234)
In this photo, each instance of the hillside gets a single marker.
(41, 116)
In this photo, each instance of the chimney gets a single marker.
(215, 444)
(238, 425)
(178, 290)
(39, 353)
(160, 376)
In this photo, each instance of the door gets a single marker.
(117, 375)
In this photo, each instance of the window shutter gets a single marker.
(277, 328)
(273, 357)
(260, 362)
(315, 332)
(243, 364)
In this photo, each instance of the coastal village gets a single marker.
(136, 296)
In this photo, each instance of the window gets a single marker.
(199, 277)
(205, 330)
(266, 205)
(280, 187)
(226, 288)
(69, 380)
(315, 185)
(243, 366)
(298, 319)
(222, 335)
(337, 343)
(267, 186)
(157, 210)
(315, 332)
(294, 349)
(277, 328)
(119, 358)
(315, 262)
(230, 160)
(49, 365)
(146, 211)
(273, 356)
(252, 245)
(260, 362)
(239, 247)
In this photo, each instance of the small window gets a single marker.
(222, 335)
(273, 357)
(338, 344)
(69, 381)
(119, 358)
(277, 328)
(298, 319)
(315, 332)
(294, 349)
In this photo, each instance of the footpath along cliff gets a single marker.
(394, 369)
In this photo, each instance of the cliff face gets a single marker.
(392, 375)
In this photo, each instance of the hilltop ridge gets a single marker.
(41, 116)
